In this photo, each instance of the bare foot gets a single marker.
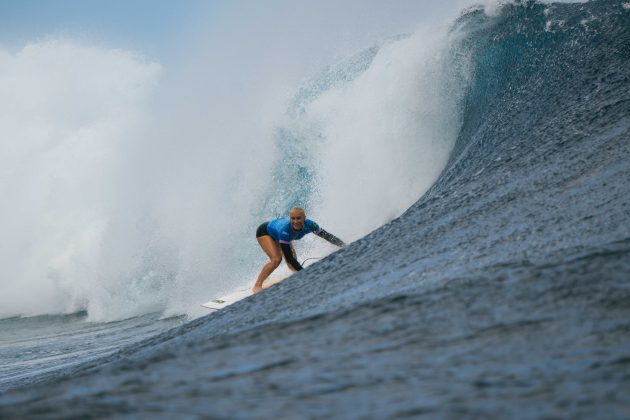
(256, 289)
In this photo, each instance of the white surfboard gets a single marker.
(227, 300)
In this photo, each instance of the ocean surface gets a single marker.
(501, 291)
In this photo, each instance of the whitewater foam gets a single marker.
(67, 112)
(127, 197)
(388, 133)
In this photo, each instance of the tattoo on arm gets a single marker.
(330, 238)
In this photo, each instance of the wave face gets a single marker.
(502, 292)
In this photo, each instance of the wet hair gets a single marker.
(300, 209)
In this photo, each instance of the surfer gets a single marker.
(275, 239)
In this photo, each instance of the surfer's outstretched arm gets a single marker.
(289, 257)
(330, 238)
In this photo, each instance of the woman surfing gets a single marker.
(275, 237)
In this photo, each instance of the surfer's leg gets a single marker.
(272, 250)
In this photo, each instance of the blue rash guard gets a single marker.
(281, 231)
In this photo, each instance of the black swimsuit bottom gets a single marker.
(262, 230)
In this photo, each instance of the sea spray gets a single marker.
(133, 195)
(67, 114)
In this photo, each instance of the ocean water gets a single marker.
(483, 175)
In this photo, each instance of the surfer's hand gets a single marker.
(256, 289)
